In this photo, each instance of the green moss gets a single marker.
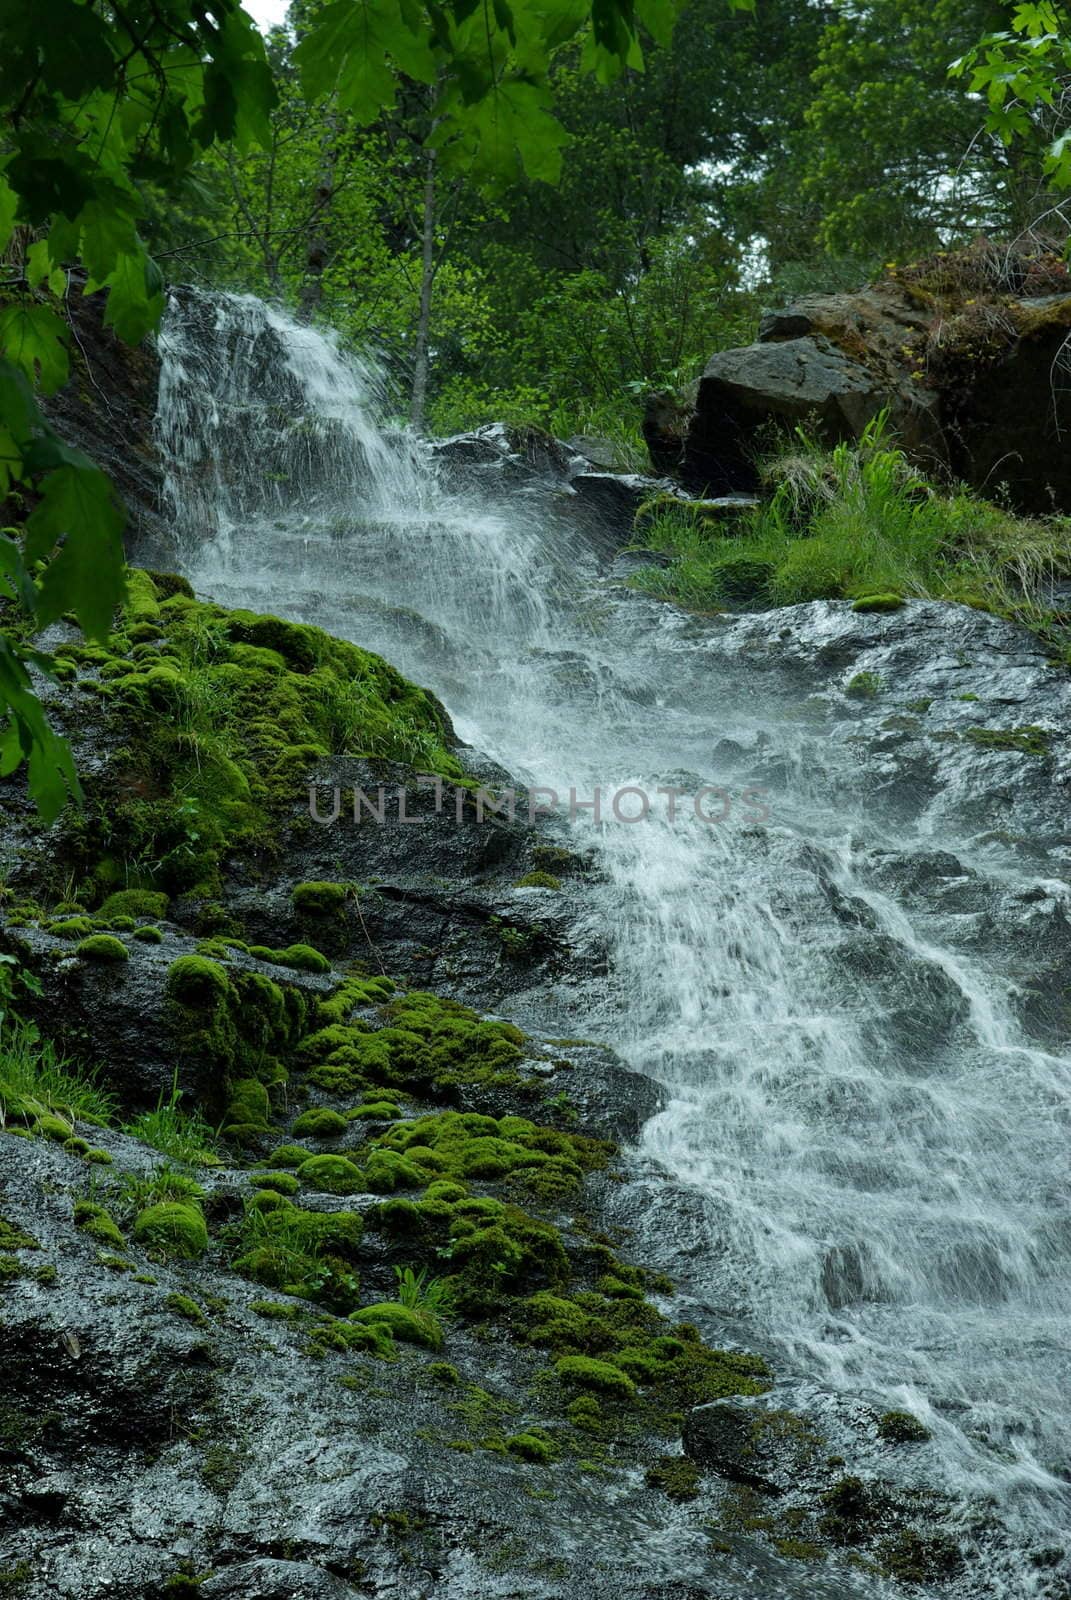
(289, 1155)
(331, 1175)
(442, 1372)
(421, 1040)
(102, 947)
(586, 1373)
(98, 1157)
(534, 1447)
(375, 1110)
(176, 1228)
(879, 602)
(864, 686)
(319, 899)
(303, 957)
(914, 1557)
(135, 903)
(196, 982)
(403, 1322)
(71, 928)
(279, 1182)
(900, 1427)
(148, 934)
(50, 1126)
(97, 1223)
(277, 1310)
(308, 1254)
(1031, 741)
(12, 1237)
(676, 1476)
(76, 1146)
(538, 880)
(319, 1123)
(248, 1108)
(183, 1306)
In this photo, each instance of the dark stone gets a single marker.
(797, 381)
(750, 1442)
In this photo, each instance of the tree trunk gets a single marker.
(427, 280)
(317, 248)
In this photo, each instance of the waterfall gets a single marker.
(875, 1154)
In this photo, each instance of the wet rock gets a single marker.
(743, 390)
(750, 1442)
(277, 1580)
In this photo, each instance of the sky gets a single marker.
(266, 12)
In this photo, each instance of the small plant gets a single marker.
(421, 1292)
(181, 1135)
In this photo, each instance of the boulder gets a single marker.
(804, 380)
(749, 1441)
(968, 353)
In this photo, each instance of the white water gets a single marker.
(879, 1158)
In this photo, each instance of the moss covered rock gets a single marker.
(176, 1228)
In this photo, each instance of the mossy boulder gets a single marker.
(103, 948)
(319, 1123)
(175, 1228)
(403, 1322)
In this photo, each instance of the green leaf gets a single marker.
(86, 575)
(35, 340)
(135, 299)
(348, 47)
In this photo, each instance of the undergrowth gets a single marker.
(857, 521)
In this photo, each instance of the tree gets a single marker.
(97, 97)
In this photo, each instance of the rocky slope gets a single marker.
(387, 1333)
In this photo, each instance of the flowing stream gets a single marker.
(872, 1155)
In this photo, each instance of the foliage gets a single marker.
(179, 1134)
(33, 1075)
(1023, 73)
(858, 522)
(95, 106)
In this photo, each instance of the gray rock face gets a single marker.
(798, 380)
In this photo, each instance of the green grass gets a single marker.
(33, 1070)
(857, 522)
(182, 1135)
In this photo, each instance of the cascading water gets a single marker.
(875, 1151)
